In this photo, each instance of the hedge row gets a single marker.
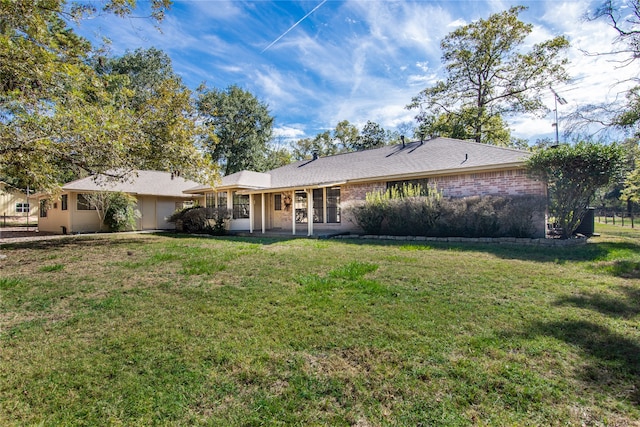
(487, 216)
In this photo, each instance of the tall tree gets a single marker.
(372, 136)
(56, 112)
(159, 101)
(276, 156)
(345, 135)
(239, 128)
(624, 112)
(489, 74)
(630, 191)
(460, 125)
(321, 145)
(624, 17)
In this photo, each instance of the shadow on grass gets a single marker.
(268, 240)
(595, 251)
(71, 241)
(612, 360)
(557, 254)
(609, 305)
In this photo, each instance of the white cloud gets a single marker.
(289, 132)
(357, 60)
(457, 23)
(202, 9)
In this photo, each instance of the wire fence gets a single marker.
(623, 219)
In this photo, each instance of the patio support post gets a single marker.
(262, 217)
(309, 212)
(251, 213)
(293, 212)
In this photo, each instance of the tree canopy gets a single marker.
(372, 136)
(161, 105)
(344, 138)
(60, 115)
(624, 18)
(240, 127)
(489, 75)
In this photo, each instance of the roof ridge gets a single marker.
(470, 141)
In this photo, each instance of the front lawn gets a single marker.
(177, 330)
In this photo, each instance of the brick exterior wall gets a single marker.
(501, 183)
(513, 182)
(354, 192)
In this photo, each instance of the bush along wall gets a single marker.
(199, 219)
(414, 211)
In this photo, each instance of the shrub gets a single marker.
(194, 220)
(407, 207)
(519, 216)
(198, 219)
(573, 173)
(369, 217)
(400, 212)
(121, 213)
(413, 215)
(218, 216)
(490, 216)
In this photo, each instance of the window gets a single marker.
(64, 202)
(333, 205)
(84, 204)
(22, 208)
(423, 183)
(184, 204)
(318, 205)
(210, 200)
(222, 199)
(44, 204)
(301, 206)
(277, 202)
(326, 205)
(240, 206)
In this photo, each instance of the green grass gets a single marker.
(175, 330)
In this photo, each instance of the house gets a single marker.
(310, 196)
(14, 202)
(158, 195)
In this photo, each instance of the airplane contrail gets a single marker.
(293, 26)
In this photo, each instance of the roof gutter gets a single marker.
(441, 172)
(279, 189)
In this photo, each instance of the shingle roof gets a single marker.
(150, 183)
(432, 157)
(247, 179)
(438, 156)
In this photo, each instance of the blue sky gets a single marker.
(318, 62)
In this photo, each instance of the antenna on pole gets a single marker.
(557, 98)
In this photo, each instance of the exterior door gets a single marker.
(148, 211)
(257, 212)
